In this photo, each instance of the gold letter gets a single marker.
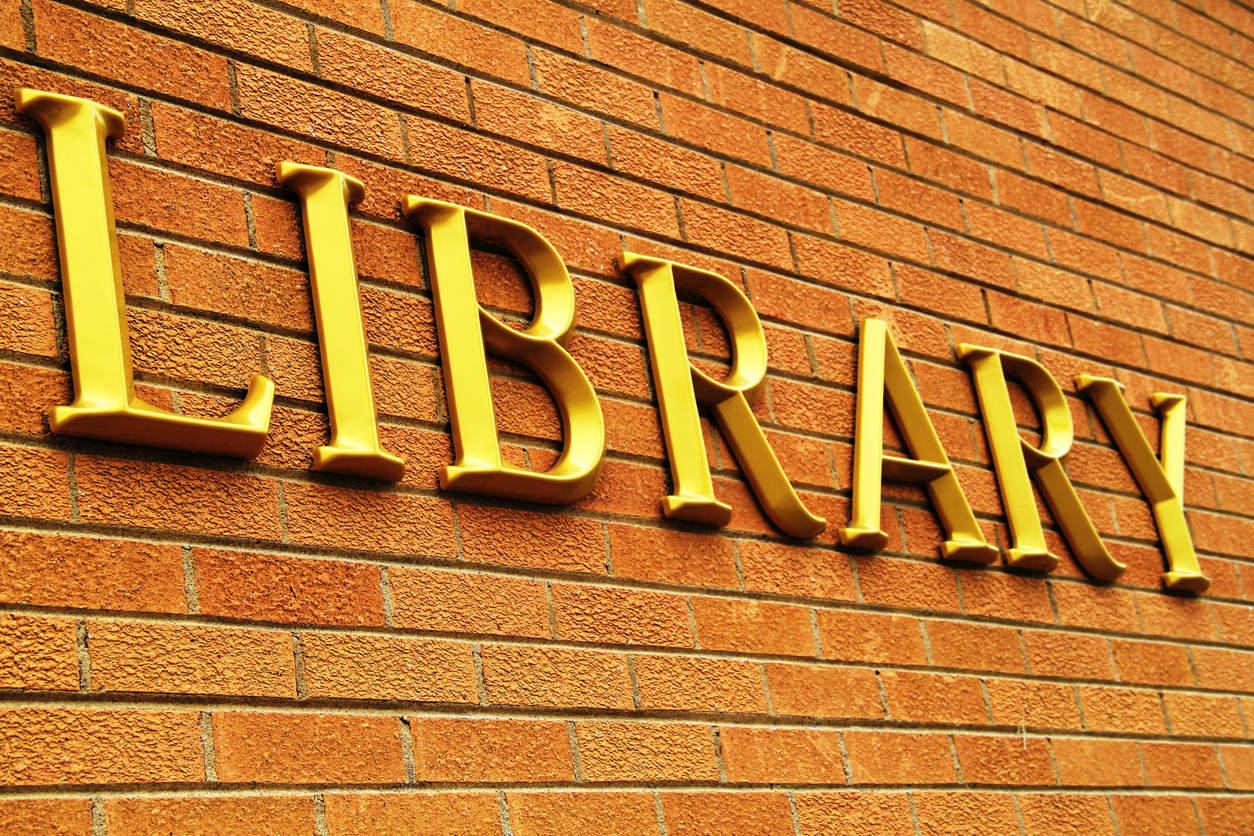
(465, 328)
(1162, 482)
(354, 449)
(1013, 458)
(881, 371)
(105, 404)
(680, 385)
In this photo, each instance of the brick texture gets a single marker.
(193, 643)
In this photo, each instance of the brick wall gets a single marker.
(194, 644)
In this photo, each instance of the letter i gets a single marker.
(354, 449)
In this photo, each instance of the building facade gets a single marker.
(868, 445)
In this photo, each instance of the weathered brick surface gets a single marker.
(1061, 180)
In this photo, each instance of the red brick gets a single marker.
(799, 302)
(1182, 764)
(1200, 715)
(876, 814)
(367, 16)
(1122, 710)
(664, 163)
(100, 46)
(690, 683)
(1179, 617)
(823, 691)
(151, 495)
(1155, 813)
(789, 570)
(518, 538)
(1151, 663)
(931, 77)
(1033, 704)
(900, 758)
(672, 557)
(461, 42)
(367, 667)
(313, 111)
(54, 571)
(153, 658)
(464, 750)
(39, 653)
(1095, 607)
(1225, 816)
(1059, 814)
(778, 200)
(706, 128)
(611, 813)
(752, 626)
(896, 107)
(953, 813)
(927, 697)
(358, 64)
(912, 584)
(615, 201)
(28, 312)
(1096, 762)
(735, 234)
(858, 135)
(1022, 761)
(620, 616)
(287, 589)
(1238, 766)
(646, 752)
(712, 813)
(538, 19)
(235, 25)
(169, 202)
(307, 748)
(46, 816)
(210, 815)
(810, 73)
(594, 89)
(369, 520)
(70, 746)
(760, 755)
(516, 675)
(457, 602)
(639, 56)
(870, 637)
(210, 144)
(19, 165)
(689, 25)
(949, 297)
(841, 266)
(984, 140)
(751, 96)
(974, 647)
(244, 289)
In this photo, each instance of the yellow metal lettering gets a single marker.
(1013, 458)
(1162, 481)
(465, 328)
(680, 385)
(354, 449)
(105, 404)
(883, 374)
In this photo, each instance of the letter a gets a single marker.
(680, 385)
(354, 449)
(105, 404)
(882, 373)
(1162, 481)
(1013, 458)
(465, 329)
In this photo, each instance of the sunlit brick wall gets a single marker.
(202, 645)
